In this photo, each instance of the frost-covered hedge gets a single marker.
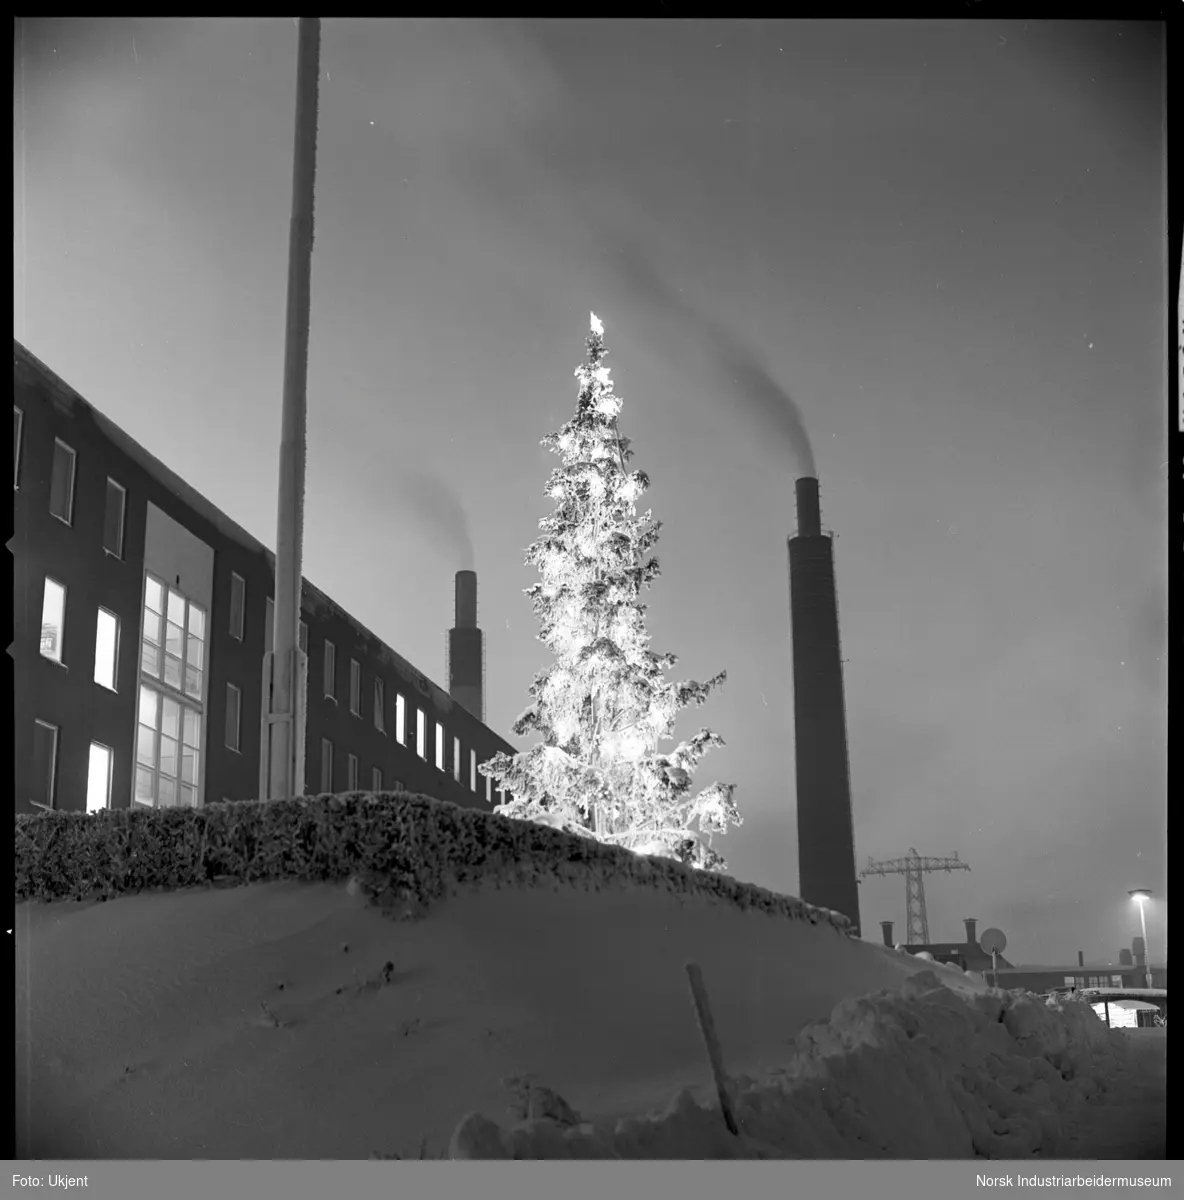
(401, 845)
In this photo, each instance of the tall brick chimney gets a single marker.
(971, 924)
(886, 928)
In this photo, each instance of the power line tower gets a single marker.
(913, 867)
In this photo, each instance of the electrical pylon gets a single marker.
(913, 867)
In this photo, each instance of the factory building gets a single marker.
(142, 614)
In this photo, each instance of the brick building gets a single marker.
(152, 611)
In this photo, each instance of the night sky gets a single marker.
(945, 241)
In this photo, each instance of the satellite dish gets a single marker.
(993, 941)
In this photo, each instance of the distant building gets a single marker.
(142, 617)
(968, 955)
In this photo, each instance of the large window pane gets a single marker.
(192, 734)
(172, 671)
(197, 621)
(98, 778)
(53, 619)
(174, 639)
(144, 778)
(166, 790)
(154, 594)
(176, 609)
(146, 746)
(150, 661)
(188, 765)
(170, 718)
(153, 625)
(149, 705)
(168, 757)
(193, 683)
(194, 651)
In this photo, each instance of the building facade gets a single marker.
(152, 612)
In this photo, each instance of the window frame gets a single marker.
(18, 440)
(110, 774)
(421, 733)
(441, 764)
(379, 704)
(327, 765)
(59, 657)
(56, 731)
(237, 692)
(351, 772)
(113, 686)
(329, 671)
(116, 552)
(355, 687)
(472, 770)
(68, 519)
(400, 719)
(241, 611)
(456, 758)
(376, 779)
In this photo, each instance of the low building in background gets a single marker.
(142, 616)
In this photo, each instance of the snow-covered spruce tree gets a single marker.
(603, 707)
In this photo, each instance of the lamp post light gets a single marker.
(1140, 896)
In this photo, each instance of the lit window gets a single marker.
(53, 620)
(355, 687)
(456, 759)
(326, 765)
(45, 763)
(1070, 981)
(113, 518)
(439, 746)
(238, 604)
(400, 720)
(351, 776)
(106, 648)
(376, 779)
(472, 770)
(18, 420)
(168, 750)
(234, 708)
(61, 483)
(98, 778)
(330, 670)
(421, 737)
(488, 789)
(379, 706)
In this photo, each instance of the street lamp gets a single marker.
(1140, 896)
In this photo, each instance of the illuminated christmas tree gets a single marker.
(603, 707)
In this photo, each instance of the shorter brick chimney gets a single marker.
(1125, 958)
(1081, 958)
(886, 926)
(971, 924)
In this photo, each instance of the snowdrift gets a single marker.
(921, 1073)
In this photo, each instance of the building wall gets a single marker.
(203, 558)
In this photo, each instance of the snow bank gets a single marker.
(923, 1072)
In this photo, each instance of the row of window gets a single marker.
(45, 765)
(53, 634)
(1083, 981)
(61, 488)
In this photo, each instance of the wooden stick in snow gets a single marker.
(707, 1029)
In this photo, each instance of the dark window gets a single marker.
(234, 708)
(114, 518)
(379, 706)
(303, 637)
(355, 687)
(376, 779)
(352, 773)
(18, 420)
(61, 483)
(238, 601)
(330, 670)
(326, 765)
(45, 762)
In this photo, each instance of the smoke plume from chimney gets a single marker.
(756, 393)
(433, 505)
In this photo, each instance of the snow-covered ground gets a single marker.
(294, 1020)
